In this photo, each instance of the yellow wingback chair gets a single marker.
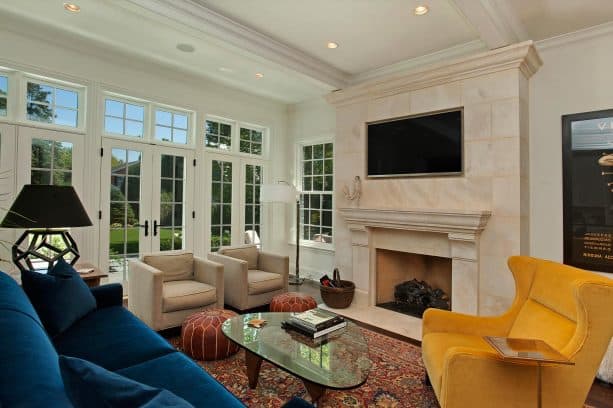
(569, 308)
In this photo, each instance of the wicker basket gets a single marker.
(339, 297)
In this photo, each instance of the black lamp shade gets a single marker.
(44, 206)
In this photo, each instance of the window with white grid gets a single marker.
(317, 165)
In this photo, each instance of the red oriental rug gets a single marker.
(395, 379)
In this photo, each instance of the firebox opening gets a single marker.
(409, 283)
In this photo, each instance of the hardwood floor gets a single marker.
(600, 396)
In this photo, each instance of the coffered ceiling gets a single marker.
(285, 40)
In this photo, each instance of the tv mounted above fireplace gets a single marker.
(424, 145)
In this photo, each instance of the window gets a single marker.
(51, 162)
(123, 118)
(171, 126)
(317, 184)
(4, 90)
(218, 135)
(250, 141)
(51, 104)
(221, 204)
(253, 181)
(171, 202)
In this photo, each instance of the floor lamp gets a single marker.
(284, 192)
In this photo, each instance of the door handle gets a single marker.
(155, 228)
(146, 227)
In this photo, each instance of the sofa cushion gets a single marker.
(247, 253)
(435, 347)
(181, 376)
(112, 338)
(29, 370)
(187, 294)
(89, 385)
(174, 265)
(263, 282)
(60, 297)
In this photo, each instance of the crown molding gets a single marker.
(403, 66)
(521, 56)
(580, 35)
(197, 16)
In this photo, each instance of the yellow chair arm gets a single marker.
(443, 321)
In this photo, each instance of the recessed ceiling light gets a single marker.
(332, 45)
(421, 10)
(259, 75)
(185, 47)
(73, 8)
(226, 69)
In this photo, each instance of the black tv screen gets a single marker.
(416, 146)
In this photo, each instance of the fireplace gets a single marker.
(409, 283)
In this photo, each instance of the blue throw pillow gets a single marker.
(91, 386)
(60, 297)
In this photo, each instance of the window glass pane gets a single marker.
(4, 85)
(179, 136)
(163, 118)
(135, 112)
(40, 93)
(225, 129)
(221, 209)
(40, 113)
(317, 176)
(212, 127)
(245, 147)
(41, 154)
(134, 128)
(62, 155)
(180, 121)
(113, 108)
(66, 117)
(245, 134)
(113, 125)
(3, 103)
(163, 133)
(51, 162)
(66, 98)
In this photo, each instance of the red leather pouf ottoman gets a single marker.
(292, 302)
(202, 338)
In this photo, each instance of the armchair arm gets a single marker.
(211, 273)
(108, 295)
(274, 263)
(236, 284)
(443, 321)
(145, 292)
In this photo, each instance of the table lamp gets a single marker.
(284, 192)
(45, 212)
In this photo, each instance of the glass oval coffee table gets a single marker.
(339, 361)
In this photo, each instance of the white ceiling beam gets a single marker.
(496, 21)
(197, 16)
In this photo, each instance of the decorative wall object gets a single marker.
(356, 190)
(588, 190)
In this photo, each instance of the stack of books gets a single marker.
(315, 323)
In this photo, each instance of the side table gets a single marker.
(92, 279)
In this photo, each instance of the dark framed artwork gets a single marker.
(587, 143)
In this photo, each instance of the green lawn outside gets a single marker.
(117, 237)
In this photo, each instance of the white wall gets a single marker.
(576, 77)
(98, 69)
(311, 120)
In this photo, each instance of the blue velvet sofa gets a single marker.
(110, 337)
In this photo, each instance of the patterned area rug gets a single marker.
(395, 379)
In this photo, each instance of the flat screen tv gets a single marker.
(427, 145)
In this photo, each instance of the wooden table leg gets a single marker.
(316, 391)
(253, 368)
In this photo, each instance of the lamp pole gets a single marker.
(297, 280)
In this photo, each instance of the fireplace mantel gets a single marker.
(430, 220)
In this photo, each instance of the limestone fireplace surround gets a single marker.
(450, 234)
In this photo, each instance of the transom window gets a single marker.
(51, 104)
(317, 185)
(171, 126)
(51, 162)
(123, 118)
(218, 135)
(250, 141)
(4, 91)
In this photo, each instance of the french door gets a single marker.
(232, 198)
(146, 202)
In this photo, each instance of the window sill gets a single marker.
(318, 246)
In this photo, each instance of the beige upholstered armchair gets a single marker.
(251, 278)
(165, 288)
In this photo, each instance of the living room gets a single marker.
(224, 123)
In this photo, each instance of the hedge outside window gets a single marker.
(50, 104)
(218, 135)
(122, 118)
(171, 126)
(4, 90)
(317, 185)
(250, 141)
(51, 162)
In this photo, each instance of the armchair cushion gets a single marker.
(187, 294)
(247, 253)
(174, 265)
(263, 282)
